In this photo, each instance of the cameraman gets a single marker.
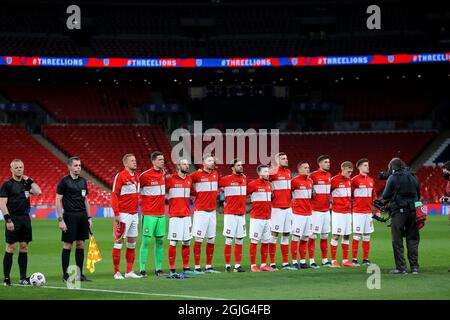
(446, 172)
(401, 192)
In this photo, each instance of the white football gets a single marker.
(37, 279)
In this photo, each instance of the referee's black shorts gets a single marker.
(22, 230)
(77, 226)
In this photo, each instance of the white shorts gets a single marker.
(301, 225)
(321, 222)
(131, 224)
(234, 226)
(362, 223)
(180, 229)
(341, 223)
(204, 224)
(260, 230)
(280, 220)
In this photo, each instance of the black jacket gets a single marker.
(402, 190)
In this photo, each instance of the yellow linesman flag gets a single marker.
(94, 254)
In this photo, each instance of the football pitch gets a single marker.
(345, 283)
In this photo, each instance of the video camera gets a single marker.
(384, 209)
(384, 175)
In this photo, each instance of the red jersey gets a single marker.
(205, 186)
(321, 186)
(179, 192)
(363, 188)
(341, 191)
(301, 188)
(125, 193)
(260, 192)
(153, 192)
(281, 186)
(235, 190)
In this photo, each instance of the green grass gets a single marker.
(433, 282)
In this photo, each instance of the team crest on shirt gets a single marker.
(228, 231)
(358, 228)
(371, 184)
(297, 230)
(255, 234)
(174, 235)
(199, 232)
(339, 230)
(83, 193)
(316, 228)
(147, 230)
(188, 182)
(214, 176)
(277, 227)
(27, 194)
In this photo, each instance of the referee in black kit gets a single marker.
(15, 206)
(75, 223)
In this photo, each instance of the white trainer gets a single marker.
(118, 276)
(132, 275)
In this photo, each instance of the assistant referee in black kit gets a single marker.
(72, 196)
(15, 206)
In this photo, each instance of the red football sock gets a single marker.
(333, 250)
(284, 253)
(366, 249)
(324, 248)
(130, 259)
(272, 252)
(197, 252)
(253, 253)
(294, 249)
(172, 256)
(311, 247)
(116, 259)
(227, 253)
(185, 253)
(264, 250)
(237, 253)
(209, 253)
(355, 244)
(344, 251)
(302, 248)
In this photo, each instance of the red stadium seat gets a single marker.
(40, 164)
(101, 147)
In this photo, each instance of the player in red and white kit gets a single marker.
(281, 217)
(301, 188)
(153, 195)
(320, 204)
(180, 224)
(205, 186)
(235, 190)
(364, 194)
(341, 217)
(125, 202)
(260, 192)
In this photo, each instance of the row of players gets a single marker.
(280, 206)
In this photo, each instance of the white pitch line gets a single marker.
(137, 293)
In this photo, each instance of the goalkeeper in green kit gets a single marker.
(153, 192)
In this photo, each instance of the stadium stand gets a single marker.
(40, 164)
(432, 183)
(82, 103)
(101, 147)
